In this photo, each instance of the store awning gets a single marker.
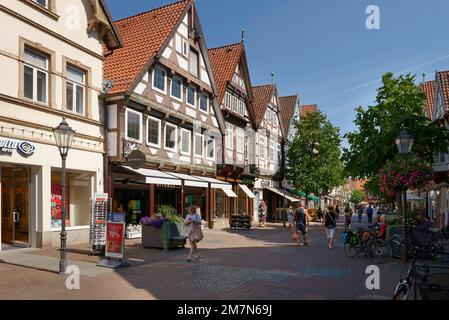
(281, 193)
(229, 192)
(248, 192)
(191, 181)
(157, 177)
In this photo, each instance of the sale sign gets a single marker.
(115, 240)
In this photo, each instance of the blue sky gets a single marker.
(321, 49)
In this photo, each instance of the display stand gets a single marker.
(100, 206)
(115, 242)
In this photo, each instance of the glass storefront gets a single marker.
(15, 204)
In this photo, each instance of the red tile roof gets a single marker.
(287, 111)
(443, 78)
(144, 36)
(224, 61)
(429, 90)
(307, 109)
(262, 97)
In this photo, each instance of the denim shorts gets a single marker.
(301, 228)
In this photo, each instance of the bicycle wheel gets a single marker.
(396, 246)
(380, 252)
(351, 250)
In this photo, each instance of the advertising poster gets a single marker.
(115, 240)
(56, 205)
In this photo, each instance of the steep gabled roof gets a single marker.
(262, 97)
(308, 109)
(443, 84)
(287, 111)
(429, 90)
(224, 61)
(144, 35)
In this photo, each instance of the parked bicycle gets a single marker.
(367, 242)
(422, 282)
(436, 241)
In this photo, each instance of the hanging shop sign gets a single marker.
(136, 159)
(24, 148)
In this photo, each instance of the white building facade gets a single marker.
(54, 66)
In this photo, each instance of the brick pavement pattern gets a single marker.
(261, 264)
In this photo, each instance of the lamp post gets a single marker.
(64, 135)
(405, 144)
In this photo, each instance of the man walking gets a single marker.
(370, 213)
(360, 213)
(348, 216)
(302, 219)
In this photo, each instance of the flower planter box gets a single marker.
(153, 238)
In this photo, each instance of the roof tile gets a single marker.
(262, 97)
(143, 35)
(429, 90)
(224, 61)
(287, 111)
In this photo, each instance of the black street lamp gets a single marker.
(405, 144)
(64, 135)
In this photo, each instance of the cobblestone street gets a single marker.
(261, 264)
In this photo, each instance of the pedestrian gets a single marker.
(348, 216)
(290, 218)
(360, 213)
(194, 233)
(330, 224)
(262, 214)
(302, 219)
(370, 213)
(320, 214)
(337, 212)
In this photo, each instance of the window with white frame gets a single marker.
(275, 119)
(269, 115)
(185, 48)
(439, 112)
(171, 136)
(228, 101)
(133, 125)
(36, 76)
(199, 145)
(153, 132)
(242, 107)
(240, 140)
(176, 88)
(75, 90)
(193, 66)
(271, 151)
(204, 103)
(229, 136)
(210, 151)
(186, 142)
(159, 79)
(262, 147)
(191, 96)
(235, 104)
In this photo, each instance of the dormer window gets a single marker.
(43, 3)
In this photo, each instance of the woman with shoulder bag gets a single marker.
(330, 224)
(194, 232)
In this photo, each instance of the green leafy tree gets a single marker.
(314, 158)
(399, 104)
(357, 196)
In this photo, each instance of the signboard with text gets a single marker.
(115, 240)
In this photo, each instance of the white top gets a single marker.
(196, 217)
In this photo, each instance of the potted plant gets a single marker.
(164, 230)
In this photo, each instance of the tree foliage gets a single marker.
(399, 104)
(314, 158)
(357, 196)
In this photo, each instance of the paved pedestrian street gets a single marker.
(259, 264)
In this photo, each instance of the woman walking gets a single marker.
(330, 224)
(193, 223)
(290, 218)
